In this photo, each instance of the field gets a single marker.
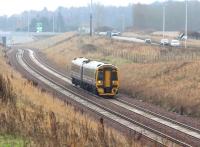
(30, 116)
(166, 77)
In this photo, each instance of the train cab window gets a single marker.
(100, 76)
(114, 76)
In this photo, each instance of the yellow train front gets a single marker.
(94, 76)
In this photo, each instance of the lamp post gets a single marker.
(91, 27)
(53, 29)
(28, 23)
(163, 21)
(186, 22)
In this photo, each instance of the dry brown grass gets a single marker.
(173, 85)
(102, 49)
(44, 120)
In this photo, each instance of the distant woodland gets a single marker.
(138, 17)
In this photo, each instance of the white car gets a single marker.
(175, 43)
(115, 33)
(184, 37)
(102, 33)
(164, 42)
(148, 41)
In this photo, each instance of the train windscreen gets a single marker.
(100, 76)
(114, 76)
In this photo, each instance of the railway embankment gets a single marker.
(165, 77)
(30, 116)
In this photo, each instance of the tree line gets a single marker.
(131, 17)
(150, 17)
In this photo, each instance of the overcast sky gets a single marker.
(9, 7)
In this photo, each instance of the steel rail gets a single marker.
(115, 116)
(190, 128)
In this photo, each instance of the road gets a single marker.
(130, 39)
(24, 37)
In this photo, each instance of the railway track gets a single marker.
(117, 101)
(106, 112)
(139, 110)
(192, 132)
(122, 119)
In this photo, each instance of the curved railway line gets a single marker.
(120, 102)
(143, 121)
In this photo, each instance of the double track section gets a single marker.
(113, 115)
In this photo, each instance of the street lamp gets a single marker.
(163, 21)
(53, 23)
(91, 19)
(28, 23)
(186, 22)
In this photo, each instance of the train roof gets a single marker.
(93, 64)
(90, 63)
(79, 61)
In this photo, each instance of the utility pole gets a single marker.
(163, 21)
(91, 28)
(53, 23)
(186, 22)
(28, 23)
(123, 23)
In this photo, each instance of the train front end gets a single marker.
(107, 82)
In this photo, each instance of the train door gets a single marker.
(107, 81)
(107, 78)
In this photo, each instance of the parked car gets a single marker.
(184, 37)
(147, 41)
(175, 43)
(102, 33)
(115, 33)
(164, 42)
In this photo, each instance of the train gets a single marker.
(94, 76)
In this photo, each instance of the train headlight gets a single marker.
(100, 82)
(114, 82)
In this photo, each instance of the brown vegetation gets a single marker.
(43, 120)
(163, 76)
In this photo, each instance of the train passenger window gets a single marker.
(114, 76)
(100, 76)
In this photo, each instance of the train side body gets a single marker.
(94, 76)
(76, 68)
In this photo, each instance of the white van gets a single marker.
(175, 43)
(164, 42)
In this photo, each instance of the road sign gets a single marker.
(39, 27)
(4, 41)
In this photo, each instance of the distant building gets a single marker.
(84, 30)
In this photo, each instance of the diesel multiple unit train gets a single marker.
(97, 77)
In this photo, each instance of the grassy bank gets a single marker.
(32, 116)
(9, 141)
(164, 76)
